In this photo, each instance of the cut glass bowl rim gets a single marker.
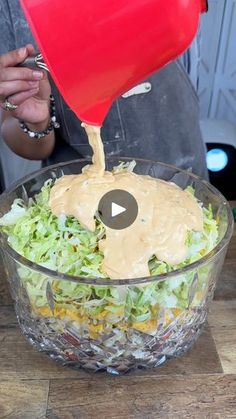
(118, 282)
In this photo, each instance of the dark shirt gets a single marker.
(161, 124)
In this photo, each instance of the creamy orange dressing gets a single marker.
(165, 214)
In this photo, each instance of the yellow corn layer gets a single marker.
(95, 330)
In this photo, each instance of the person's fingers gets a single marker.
(21, 97)
(12, 58)
(17, 73)
(30, 49)
(11, 88)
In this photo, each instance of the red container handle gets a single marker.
(204, 6)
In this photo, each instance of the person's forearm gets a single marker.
(21, 144)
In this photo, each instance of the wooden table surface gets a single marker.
(202, 384)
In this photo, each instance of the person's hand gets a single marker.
(27, 88)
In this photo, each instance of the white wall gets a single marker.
(217, 81)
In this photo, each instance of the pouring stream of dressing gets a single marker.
(165, 214)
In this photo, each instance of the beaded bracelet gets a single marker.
(52, 124)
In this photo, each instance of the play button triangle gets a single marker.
(116, 209)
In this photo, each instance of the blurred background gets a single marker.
(211, 65)
(217, 93)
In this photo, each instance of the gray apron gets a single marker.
(161, 124)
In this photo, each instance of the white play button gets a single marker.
(116, 209)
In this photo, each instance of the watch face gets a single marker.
(221, 164)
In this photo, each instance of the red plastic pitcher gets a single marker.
(97, 50)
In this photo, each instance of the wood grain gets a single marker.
(152, 397)
(223, 327)
(222, 314)
(18, 359)
(23, 399)
(226, 287)
(5, 298)
(8, 318)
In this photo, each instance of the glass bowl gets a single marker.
(72, 332)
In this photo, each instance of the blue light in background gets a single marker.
(217, 159)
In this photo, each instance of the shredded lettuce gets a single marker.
(60, 244)
(63, 245)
